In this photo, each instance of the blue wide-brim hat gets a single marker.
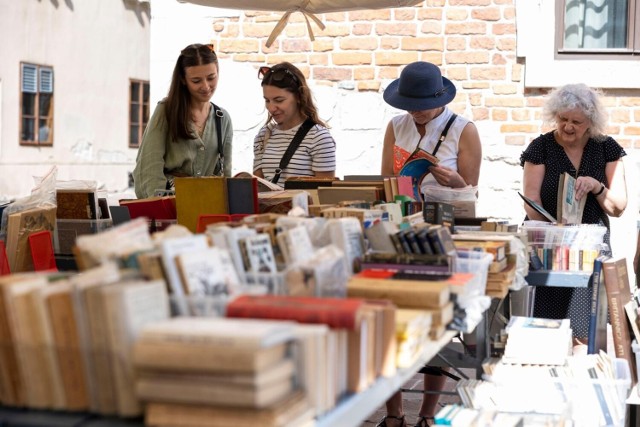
(420, 87)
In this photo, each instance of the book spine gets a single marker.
(72, 369)
(614, 282)
(406, 268)
(319, 312)
(593, 314)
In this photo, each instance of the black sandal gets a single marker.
(422, 421)
(383, 421)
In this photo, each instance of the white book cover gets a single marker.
(170, 249)
(233, 236)
(295, 244)
(208, 272)
(346, 233)
(259, 254)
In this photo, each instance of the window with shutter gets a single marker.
(36, 121)
(138, 111)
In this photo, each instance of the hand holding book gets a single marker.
(418, 166)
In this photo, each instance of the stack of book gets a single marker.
(66, 342)
(502, 269)
(231, 371)
(368, 327)
(430, 293)
(538, 341)
(586, 390)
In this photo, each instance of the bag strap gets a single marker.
(443, 135)
(293, 146)
(219, 169)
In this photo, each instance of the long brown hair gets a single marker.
(177, 101)
(288, 77)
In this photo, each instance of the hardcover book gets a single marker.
(76, 204)
(335, 312)
(373, 284)
(242, 195)
(597, 339)
(202, 195)
(294, 410)
(616, 281)
(538, 208)
(211, 390)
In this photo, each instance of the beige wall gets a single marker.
(94, 47)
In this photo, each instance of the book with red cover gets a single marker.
(163, 207)
(405, 186)
(334, 312)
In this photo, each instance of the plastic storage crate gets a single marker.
(68, 230)
(564, 248)
(477, 263)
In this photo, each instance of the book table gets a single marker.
(353, 410)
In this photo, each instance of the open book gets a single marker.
(569, 210)
(263, 184)
(417, 167)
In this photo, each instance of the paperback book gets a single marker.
(418, 167)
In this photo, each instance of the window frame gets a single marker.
(633, 37)
(37, 116)
(141, 104)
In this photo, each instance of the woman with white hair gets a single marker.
(579, 147)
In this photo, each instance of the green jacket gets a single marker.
(159, 159)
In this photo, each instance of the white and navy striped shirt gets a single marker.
(316, 153)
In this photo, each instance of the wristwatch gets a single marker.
(601, 190)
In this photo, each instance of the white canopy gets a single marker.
(307, 7)
(311, 6)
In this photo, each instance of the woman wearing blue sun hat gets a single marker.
(431, 126)
(423, 93)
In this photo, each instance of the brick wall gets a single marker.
(473, 41)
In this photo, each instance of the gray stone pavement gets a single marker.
(411, 401)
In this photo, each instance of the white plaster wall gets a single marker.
(535, 41)
(94, 47)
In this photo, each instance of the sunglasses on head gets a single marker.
(208, 48)
(277, 74)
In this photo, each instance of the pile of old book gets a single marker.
(584, 390)
(66, 339)
(424, 304)
(218, 371)
(503, 249)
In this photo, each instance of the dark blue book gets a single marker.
(598, 312)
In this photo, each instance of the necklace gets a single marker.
(200, 123)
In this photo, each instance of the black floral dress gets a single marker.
(558, 302)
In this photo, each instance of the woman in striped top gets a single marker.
(289, 103)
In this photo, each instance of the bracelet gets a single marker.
(602, 187)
